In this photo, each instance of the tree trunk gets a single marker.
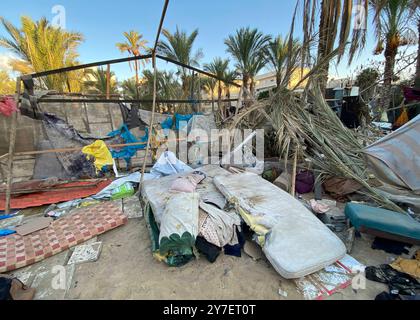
(136, 68)
(390, 54)
(417, 80)
(278, 80)
(219, 99)
(252, 87)
(245, 80)
(322, 44)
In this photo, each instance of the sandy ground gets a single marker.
(127, 270)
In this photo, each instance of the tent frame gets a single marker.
(28, 79)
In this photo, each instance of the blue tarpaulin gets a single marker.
(127, 152)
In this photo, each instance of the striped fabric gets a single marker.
(395, 158)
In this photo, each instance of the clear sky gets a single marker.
(102, 23)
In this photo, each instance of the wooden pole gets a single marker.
(108, 80)
(292, 190)
(12, 141)
(152, 119)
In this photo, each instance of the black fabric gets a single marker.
(210, 251)
(387, 296)
(236, 249)
(398, 282)
(5, 285)
(391, 246)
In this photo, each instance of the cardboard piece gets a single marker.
(33, 225)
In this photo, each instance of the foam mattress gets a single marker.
(293, 239)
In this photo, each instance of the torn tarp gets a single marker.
(127, 152)
(62, 135)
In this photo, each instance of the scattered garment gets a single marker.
(408, 266)
(340, 187)
(99, 151)
(398, 282)
(217, 226)
(179, 227)
(8, 106)
(305, 181)
(390, 246)
(318, 207)
(210, 251)
(188, 183)
(14, 289)
(235, 249)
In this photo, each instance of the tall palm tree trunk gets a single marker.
(219, 99)
(390, 55)
(417, 80)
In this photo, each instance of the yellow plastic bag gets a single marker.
(100, 152)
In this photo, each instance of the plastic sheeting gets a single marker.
(168, 164)
(395, 159)
(127, 152)
(99, 151)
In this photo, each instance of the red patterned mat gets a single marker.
(17, 251)
(40, 198)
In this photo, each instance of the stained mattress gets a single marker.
(294, 240)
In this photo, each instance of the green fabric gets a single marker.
(152, 227)
(177, 248)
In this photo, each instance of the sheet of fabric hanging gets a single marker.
(395, 159)
(62, 135)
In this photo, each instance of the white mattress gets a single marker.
(296, 243)
(157, 193)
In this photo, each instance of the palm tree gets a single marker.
(218, 67)
(209, 85)
(39, 46)
(129, 88)
(97, 83)
(230, 76)
(247, 47)
(179, 46)
(7, 85)
(392, 21)
(335, 19)
(133, 46)
(281, 59)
